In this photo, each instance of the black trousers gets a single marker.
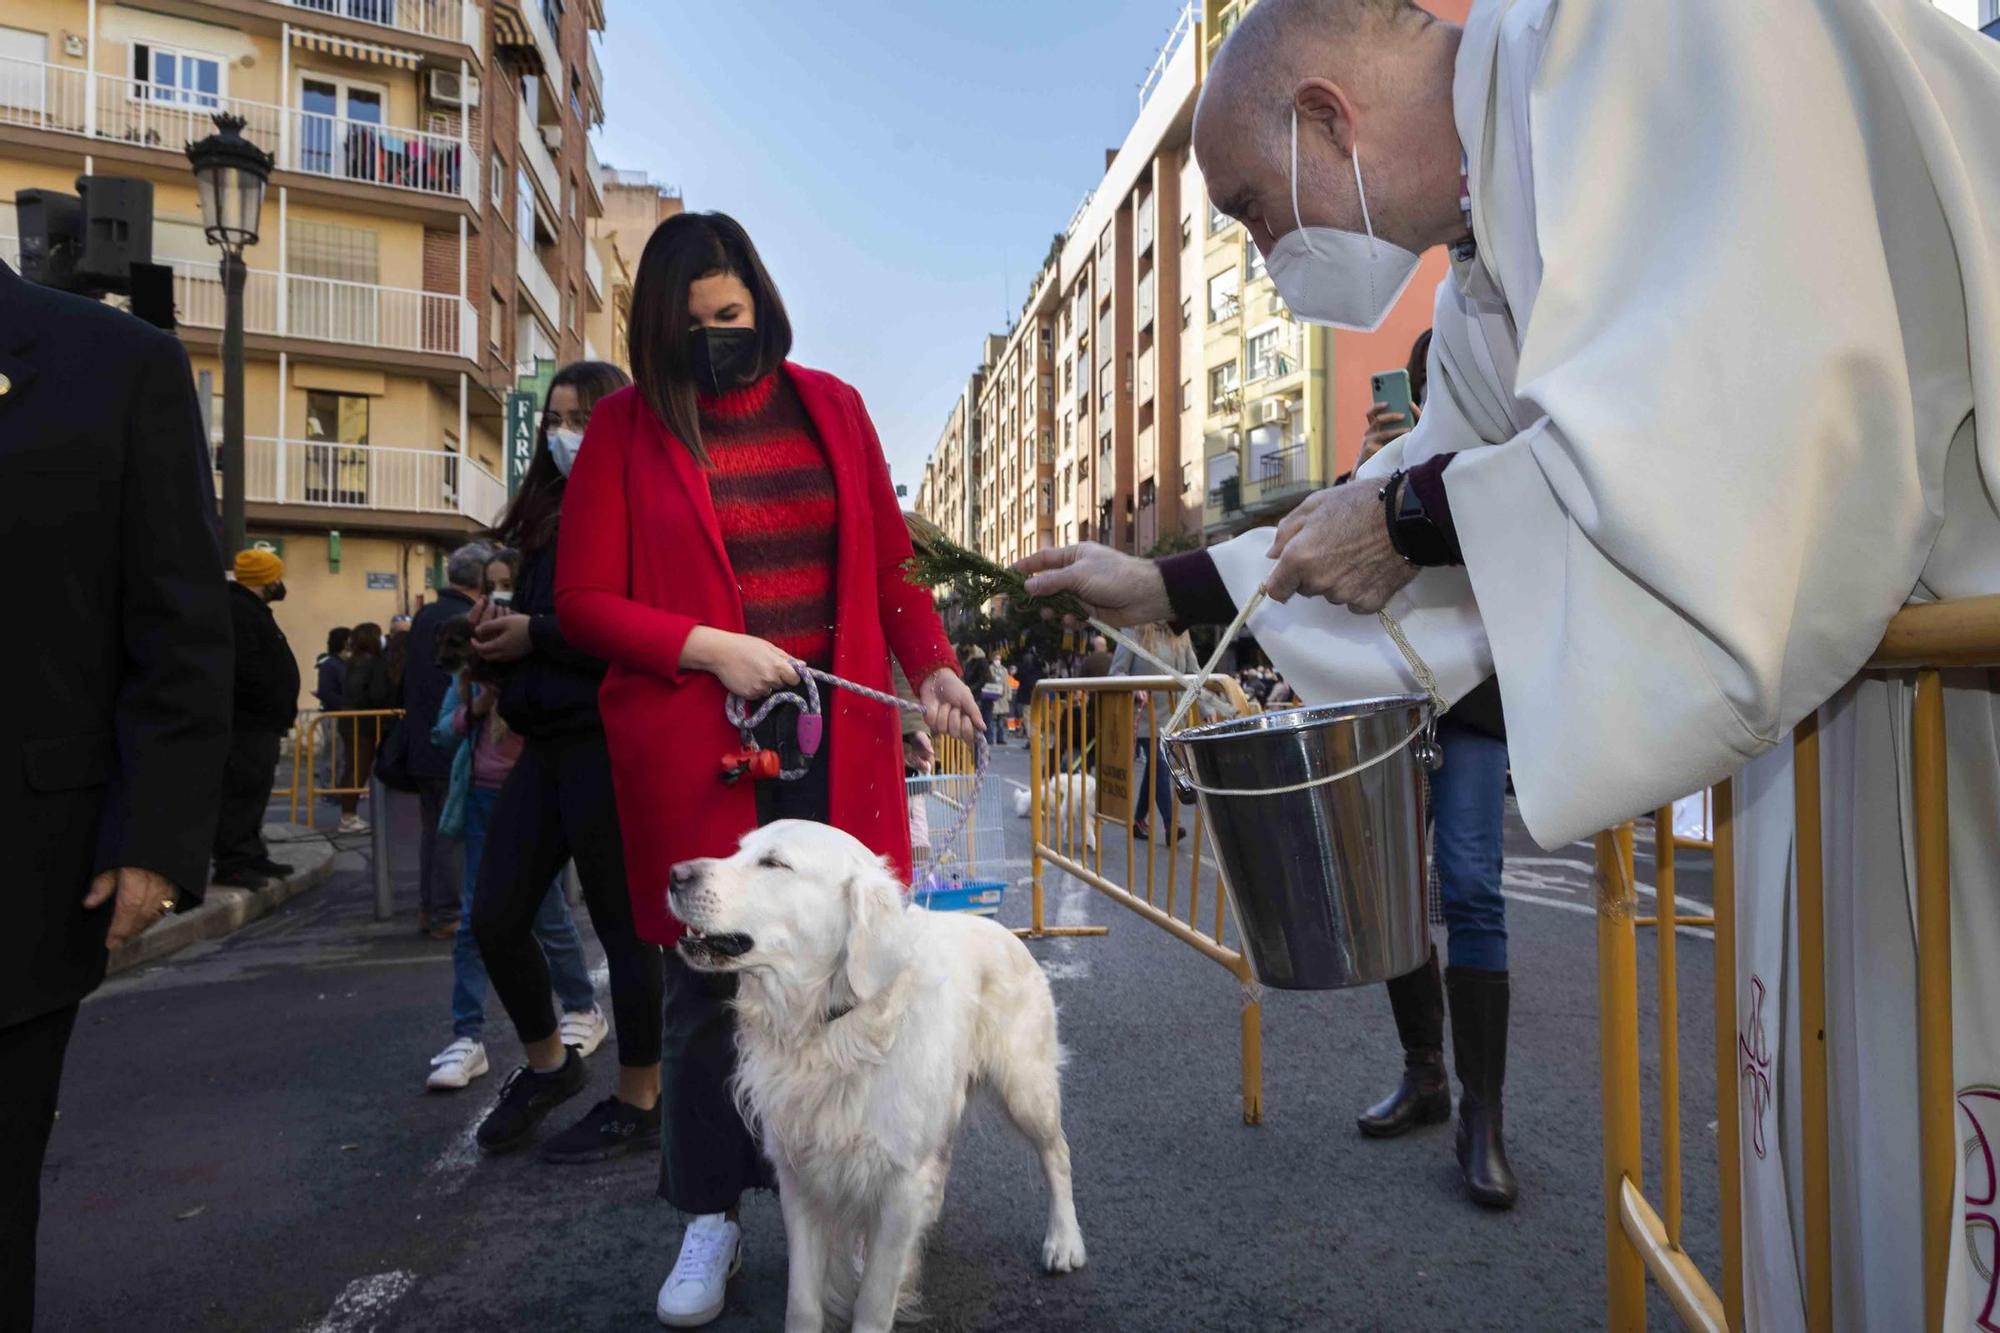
(31, 1054)
(708, 1156)
(557, 805)
(440, 859)
(248, 775)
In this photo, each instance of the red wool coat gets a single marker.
(641, 563)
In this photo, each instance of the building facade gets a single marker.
(634, 204)
(422, 249)
(1185, 403)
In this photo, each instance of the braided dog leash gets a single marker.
(746, 718)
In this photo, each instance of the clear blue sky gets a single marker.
(901, 166)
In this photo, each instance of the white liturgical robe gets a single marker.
(1713, 369)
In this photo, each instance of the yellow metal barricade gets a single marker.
(1640, 1240)
(358, 734)
(1083, 794)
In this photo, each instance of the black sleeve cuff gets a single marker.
(1196, 591)
(1427, 480)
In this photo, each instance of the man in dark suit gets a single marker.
(116, 711)
(266, 704)
(440, 860)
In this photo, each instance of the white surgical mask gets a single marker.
(563, 445)
(1347, 279)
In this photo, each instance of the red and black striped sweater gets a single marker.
(774, 499)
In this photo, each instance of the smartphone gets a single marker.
(1393, 388)
(503, 598)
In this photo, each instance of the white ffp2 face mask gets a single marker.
(563, 445)
(1346, 279)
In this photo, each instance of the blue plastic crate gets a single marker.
(982, 896)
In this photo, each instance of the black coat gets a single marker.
(553, 690)
(367, 686)
(331, 685)
(424, 684)
(118, 691)
(267, 675)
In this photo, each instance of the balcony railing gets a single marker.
(593, 270)
(291, 305)
(65, 100)
(368, 476)
(535, 152)
(447, 20)
(1282, 471)
(535, 280)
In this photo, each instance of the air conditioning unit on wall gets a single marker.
(449, 88)
(1273, 409)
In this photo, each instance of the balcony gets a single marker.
(291, 305)
(520, 24)
(446, 20)
(593, 272)
(593, 177)
(596, 74)
(535, 152)
(61, 99)
(329, 475)
(1283, 473)
(536, 282)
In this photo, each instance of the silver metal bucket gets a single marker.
(1328, 881)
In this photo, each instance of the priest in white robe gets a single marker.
(1722, 322)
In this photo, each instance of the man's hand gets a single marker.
(1336, 545)
(143, 898)
(503, 639)
(949, 706)
(1119, 589)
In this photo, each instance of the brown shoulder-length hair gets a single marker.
(531, 518)
(682, 250)
(366, 641)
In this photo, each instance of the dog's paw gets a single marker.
(1062, 1252)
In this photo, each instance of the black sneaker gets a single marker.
(241, 878)
(612, 1129)
(275, 869)
(525, 1098)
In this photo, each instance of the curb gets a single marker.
(225, 911)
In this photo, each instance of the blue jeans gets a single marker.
(1468, 804)
(555, 928)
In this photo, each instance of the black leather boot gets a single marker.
(1479, 1045)
(1424, 1095)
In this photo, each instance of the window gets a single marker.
(1222, 300)
(187, 78)
(1187, 393)
(1222, 383)
(1187, 477)
(337, 448)
(1217, 219)
(1187, 231)
(330, 250)
(1253, 259)
(1187, 311)
(496, 320)
(576, 200)
(524, 207)
(1104, 242)
(552, 14)
(576, 96)
(336, 134)
(1262, 353)
(498, 172)
(1223, 475)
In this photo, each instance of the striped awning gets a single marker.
(349, 49)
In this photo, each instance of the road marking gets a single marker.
(363, 1302)
(454, 1162)
(1583, 909)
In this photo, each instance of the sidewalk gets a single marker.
(226, 911)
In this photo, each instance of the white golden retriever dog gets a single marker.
(1057, 790)
(863, 1025)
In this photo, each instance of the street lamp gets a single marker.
(230, 174)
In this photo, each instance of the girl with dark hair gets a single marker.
(724, 514)
(555, 806)
(367, 687)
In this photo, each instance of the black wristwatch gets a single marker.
(1416, 537)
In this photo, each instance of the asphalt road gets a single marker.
(245, 1143)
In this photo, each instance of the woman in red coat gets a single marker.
(724, 515)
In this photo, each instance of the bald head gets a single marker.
(1368, 74)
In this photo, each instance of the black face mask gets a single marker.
(722, 358)
(277, 593)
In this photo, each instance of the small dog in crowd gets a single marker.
(454, 652)
(863, 1026)
(1057, 792)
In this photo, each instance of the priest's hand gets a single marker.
(1119, 589)
(949, 706)
(1336, 545)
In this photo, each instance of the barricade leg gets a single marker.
(1937, 1102)
(1253, 1060)
(1618, 1060)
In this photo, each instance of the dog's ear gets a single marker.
(875, 943)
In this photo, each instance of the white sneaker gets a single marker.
(711, 1252)
(352, 824)
(457, 1065)
(585, 1029)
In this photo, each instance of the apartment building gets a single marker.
(634, 204)
(1017, 430)
(1186, 403)
(422, 246)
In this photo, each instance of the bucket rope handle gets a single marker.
(1310, 783)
